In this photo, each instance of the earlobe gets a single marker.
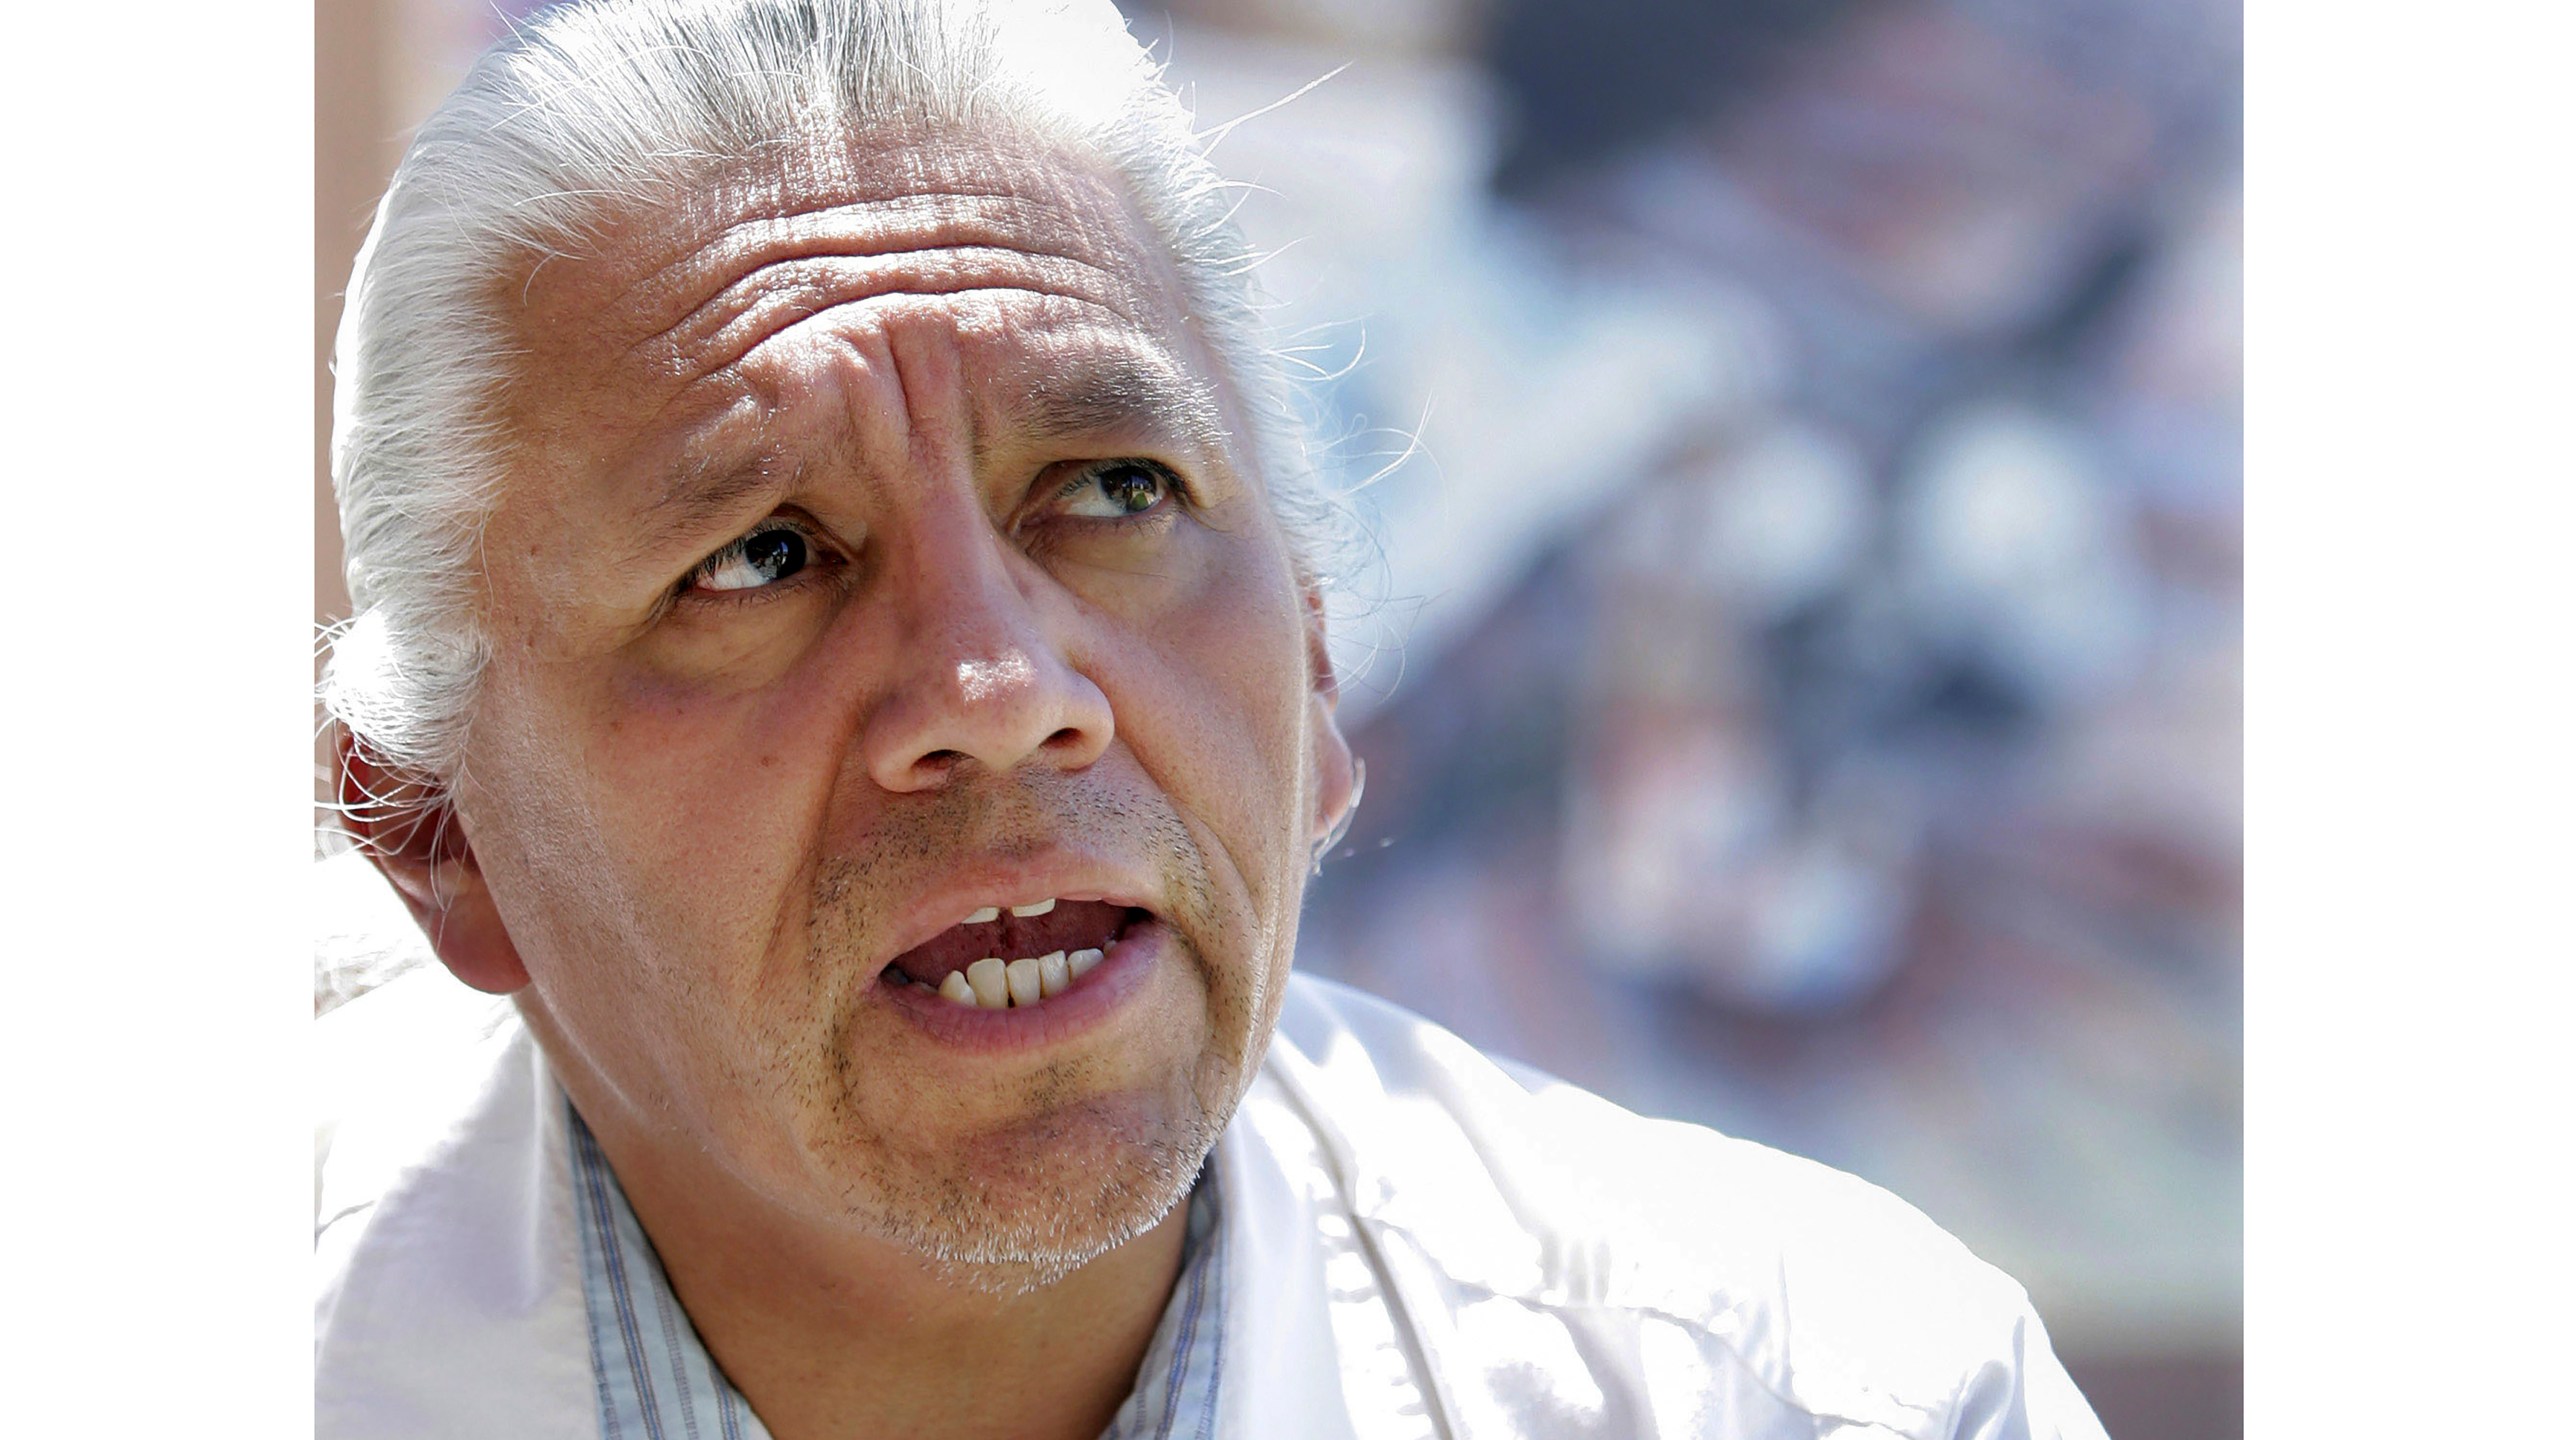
(409, 830)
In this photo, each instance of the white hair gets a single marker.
(614, 103)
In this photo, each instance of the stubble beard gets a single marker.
(1016, 1211)
(1069, 1182)
(1009, 1245)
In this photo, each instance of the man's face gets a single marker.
(879, 546)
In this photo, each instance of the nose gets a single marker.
(978, 677)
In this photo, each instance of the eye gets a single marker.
(1116, 490)
(756, 559)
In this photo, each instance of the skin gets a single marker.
(692, 827)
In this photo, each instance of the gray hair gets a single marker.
(609, 103)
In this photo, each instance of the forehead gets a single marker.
(722, 298)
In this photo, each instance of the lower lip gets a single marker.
(1087, 1003)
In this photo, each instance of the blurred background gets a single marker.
(1801, 686)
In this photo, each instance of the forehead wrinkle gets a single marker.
(909, 222)
(769, 316)
(868, 231)
(660, 268)
(930, 269)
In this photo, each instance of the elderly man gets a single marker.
(840, 647)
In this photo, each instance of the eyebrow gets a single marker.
(1121, 394)
(708, 494)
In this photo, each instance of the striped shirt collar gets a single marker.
(655, 1381)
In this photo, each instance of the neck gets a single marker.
(828, 1332)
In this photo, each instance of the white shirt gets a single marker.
(1421, 1242)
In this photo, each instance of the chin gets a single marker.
(1022, 1208)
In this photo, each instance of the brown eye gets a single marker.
(1116, 490)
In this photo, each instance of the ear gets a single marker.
(409, 829)
(1337, 787)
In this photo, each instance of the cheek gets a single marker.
(1213, 704)
(681, 818)
(719, 792)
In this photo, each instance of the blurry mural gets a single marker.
(1800, 685)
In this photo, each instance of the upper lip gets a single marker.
(960, 892)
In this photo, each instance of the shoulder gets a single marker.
(1839, 1299)
(445, 1231)
(397, 1069)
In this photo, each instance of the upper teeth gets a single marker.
(999, 984)
(1020, 912)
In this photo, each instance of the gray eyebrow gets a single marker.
(1119, 395)
(710, 492)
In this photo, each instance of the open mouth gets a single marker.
(1010, 957)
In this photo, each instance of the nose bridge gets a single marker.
(979, 673)
(964, 614)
